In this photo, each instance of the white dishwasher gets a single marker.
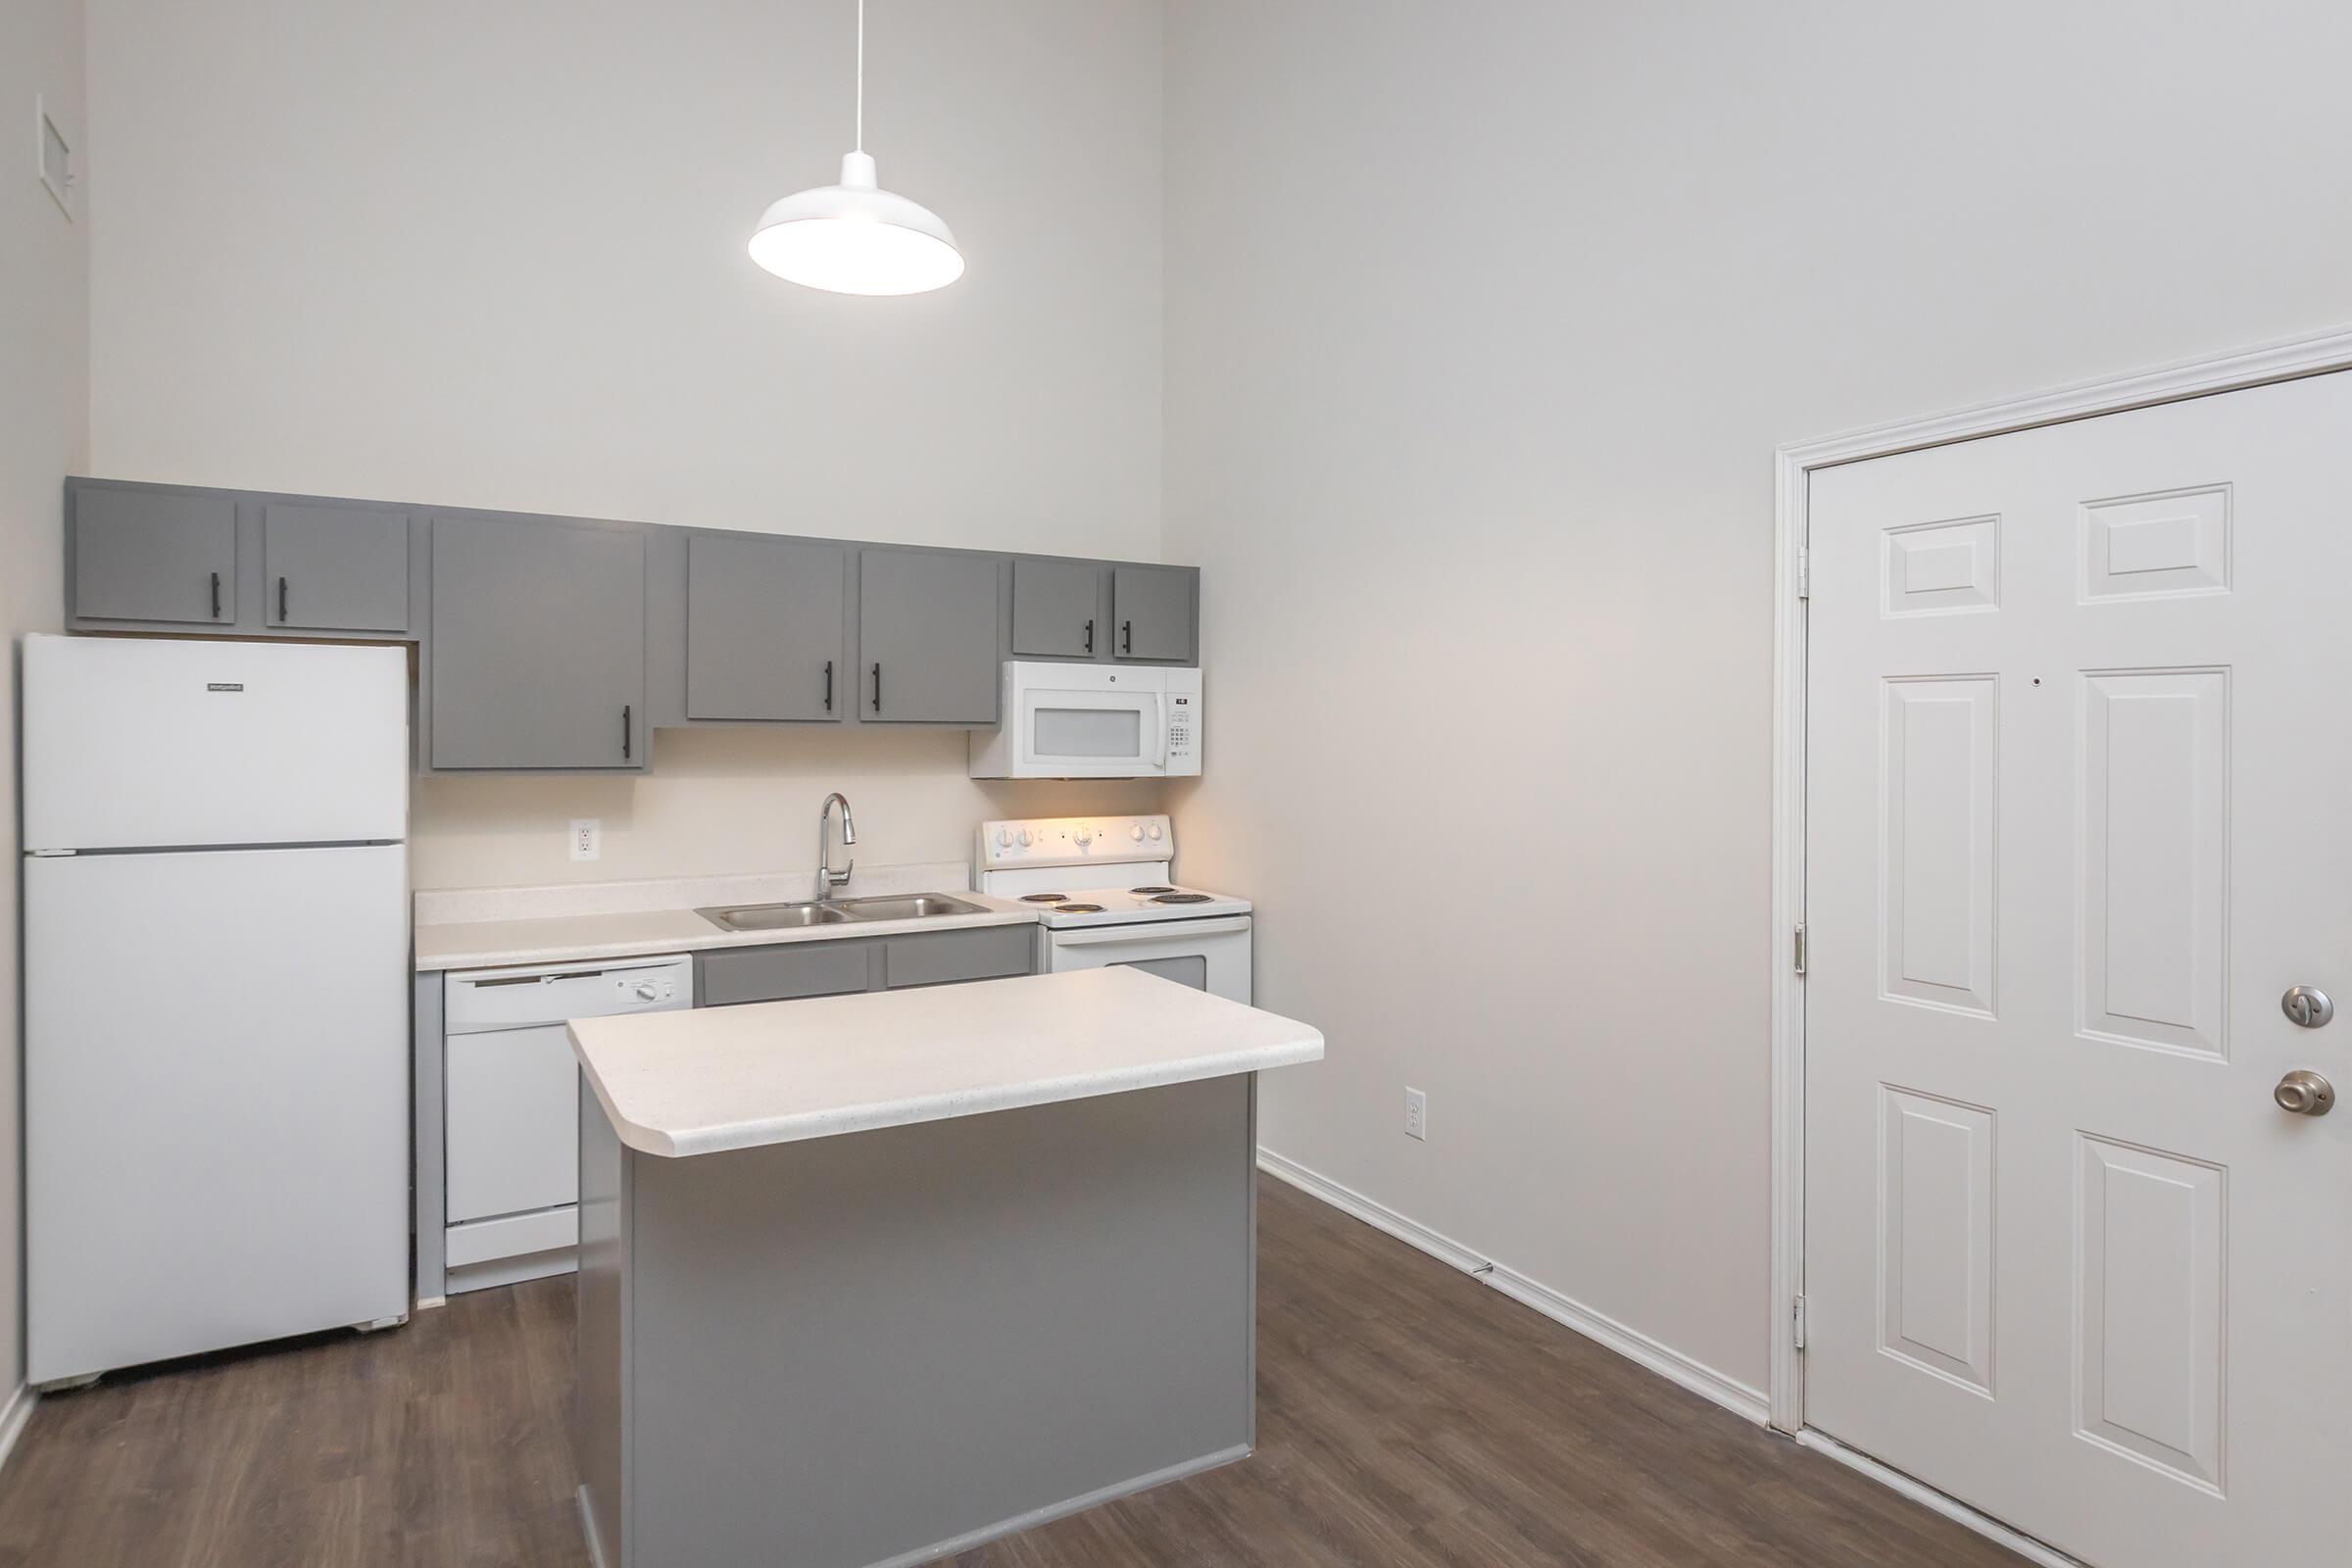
(511, 1106)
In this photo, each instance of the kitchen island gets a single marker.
(869, 1279)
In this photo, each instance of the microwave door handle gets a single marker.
(1160, 732)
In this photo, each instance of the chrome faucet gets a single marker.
(827, 879)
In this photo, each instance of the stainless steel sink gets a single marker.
(844, 911)
(906, 906)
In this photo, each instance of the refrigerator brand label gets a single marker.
(223, 685)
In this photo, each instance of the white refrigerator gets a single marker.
(216, 996)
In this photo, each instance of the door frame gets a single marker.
(2284, 361)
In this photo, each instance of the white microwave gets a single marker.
(1093, 721)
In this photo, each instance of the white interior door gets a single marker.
(2077, 764)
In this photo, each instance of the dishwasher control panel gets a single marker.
(527, 996)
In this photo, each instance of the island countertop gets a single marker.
(714, 1079)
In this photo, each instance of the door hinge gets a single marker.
(1796, 1322)
(1798, 947)
(1805, 571)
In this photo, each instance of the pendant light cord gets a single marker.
(860, 139)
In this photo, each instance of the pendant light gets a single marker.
(855, 237)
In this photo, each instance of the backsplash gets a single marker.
(734, 801)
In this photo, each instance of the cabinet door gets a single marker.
(1056, 608)
(763, 628)
(538, 645)
(335, 568)
(1152, 606)
(511, 1122)
(149, 554)
(927, 637)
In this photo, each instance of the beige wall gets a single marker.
(44, 432)
(1483, 323)
(494, 256)
(724, 802)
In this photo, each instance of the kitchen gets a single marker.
(553, 712)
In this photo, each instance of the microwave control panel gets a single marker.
(1183, 730)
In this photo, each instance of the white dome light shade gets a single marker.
(857, 238)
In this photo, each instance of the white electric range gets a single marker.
(1106, 895)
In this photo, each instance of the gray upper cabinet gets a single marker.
(1152, 612)
(1058, 610)
(927, 637)
(334, 568)
(763, 628)
(538, 645)
(154, 555)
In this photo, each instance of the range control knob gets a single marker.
(1024, 838)
(1004, 838)
(1155, 830)
(1084, 836)
(1135, 832)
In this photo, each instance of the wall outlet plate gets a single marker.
(587, 838)
(1416, 1114)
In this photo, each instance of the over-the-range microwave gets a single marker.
(1093, 721)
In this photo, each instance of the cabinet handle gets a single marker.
(215, 595)
(1090, 636)
(625, 732)
(281, 601)
(1126, 636)
(828, 685)
(877, 688)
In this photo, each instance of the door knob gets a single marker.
(2308, 1006)
(2305, 1093)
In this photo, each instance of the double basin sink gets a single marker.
(837, 912)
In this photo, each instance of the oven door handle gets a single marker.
(1151, 931)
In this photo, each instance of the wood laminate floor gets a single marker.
(1407, 1417)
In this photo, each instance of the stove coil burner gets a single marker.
(1181, 898)
(1043, 897)
(1077, 908)
(1150, 890)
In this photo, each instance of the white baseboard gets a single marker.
(1635, 1346)
(1944, 1503)
(13, 1415)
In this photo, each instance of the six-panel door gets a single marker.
(763, 628)
(1152, 608)
(2075, 761)
(538, 646)
(334, 568)
(158, 555)
(927, 637)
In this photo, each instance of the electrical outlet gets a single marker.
(1416, 1114)
(587, 838)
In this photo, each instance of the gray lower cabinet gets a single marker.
(927, 637)
(155, 555)
(1151, 611)
(1058, 610)
(334, 568)
(763, 628)
(538, 645)
(830, 967)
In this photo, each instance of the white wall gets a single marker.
(44, 432)
(493, 255)
(1483, 323)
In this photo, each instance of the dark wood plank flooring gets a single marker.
(1410, 1417)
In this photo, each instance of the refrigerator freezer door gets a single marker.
(216, 1104)
(143, 742)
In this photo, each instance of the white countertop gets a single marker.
(492, 927)
(721, 1078)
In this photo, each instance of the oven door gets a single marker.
(1211, 955)
(1061, 732)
